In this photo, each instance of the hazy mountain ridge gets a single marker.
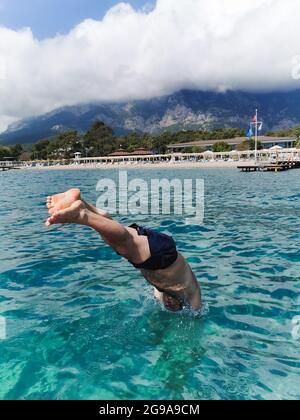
(182, 110)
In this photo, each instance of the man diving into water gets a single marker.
(153, 253)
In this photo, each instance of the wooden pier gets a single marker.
(269, 167)
(8, 166)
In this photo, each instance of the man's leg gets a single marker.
(95, 210)
(123, 240)
(68, 208)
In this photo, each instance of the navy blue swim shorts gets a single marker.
(162, 247)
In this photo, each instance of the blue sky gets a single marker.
(48, 17)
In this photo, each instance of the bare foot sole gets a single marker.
(62, 201)
(73, 214)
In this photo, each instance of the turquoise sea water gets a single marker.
(82, 323)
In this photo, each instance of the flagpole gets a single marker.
(256, 134)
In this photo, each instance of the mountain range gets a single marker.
(184, 110)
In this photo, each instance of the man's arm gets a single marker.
(194, 295)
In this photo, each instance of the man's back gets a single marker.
(178, 282)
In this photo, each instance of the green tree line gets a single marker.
(11, 152)
(289, 132)
(101, 140)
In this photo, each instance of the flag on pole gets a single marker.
(254, 120)
(250, 133)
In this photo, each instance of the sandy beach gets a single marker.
(161, 165)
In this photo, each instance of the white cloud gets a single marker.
(204, 44)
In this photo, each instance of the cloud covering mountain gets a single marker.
(184, 110)
(179, 44)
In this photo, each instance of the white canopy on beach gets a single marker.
(276, 148)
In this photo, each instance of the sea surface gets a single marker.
(81, 323)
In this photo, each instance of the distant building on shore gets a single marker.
(267, 143)
(119, 152)
(138, 152)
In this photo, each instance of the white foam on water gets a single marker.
(2, 328)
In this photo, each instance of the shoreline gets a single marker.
(186, 165)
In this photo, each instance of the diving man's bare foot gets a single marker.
(62, 201)
(74, 214)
